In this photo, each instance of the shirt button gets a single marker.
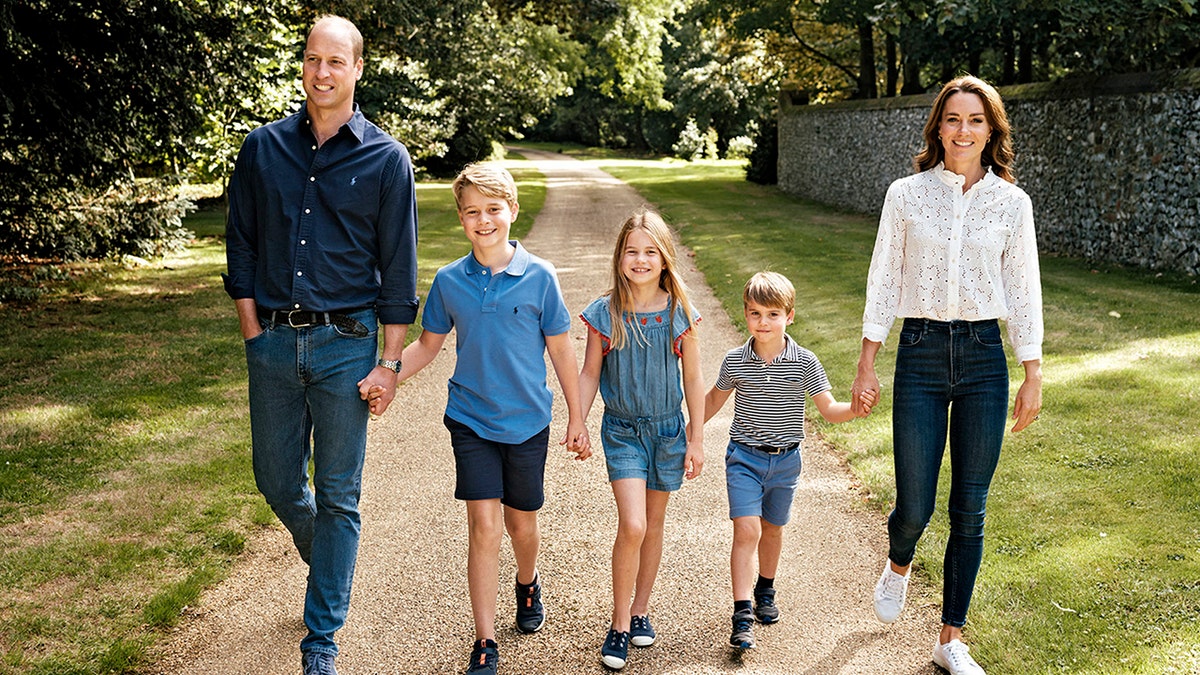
(314, 147)
(297, 305)
(307, 211)
(303, 242)
(311, 178)
(299, 274)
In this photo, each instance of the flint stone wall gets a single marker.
(1112, 165)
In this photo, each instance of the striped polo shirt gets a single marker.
(769, 397)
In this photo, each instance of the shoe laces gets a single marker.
(319, 664)
(616, 639)
(742, 622)
(893, 586)
(957, 654)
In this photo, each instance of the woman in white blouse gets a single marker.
(956, 251)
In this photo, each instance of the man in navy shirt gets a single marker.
(321, 249)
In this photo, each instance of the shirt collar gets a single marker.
(790, 353)
(516, 266)
(956, 180)
(357, 124)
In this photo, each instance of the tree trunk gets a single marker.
(866, 60)
(1025, 60)
(893, 73)
(1008, 49)
(912, 77)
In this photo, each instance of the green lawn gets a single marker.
(125, 480)
(125, 484)
(1093, 549)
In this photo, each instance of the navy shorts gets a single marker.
(512, 473)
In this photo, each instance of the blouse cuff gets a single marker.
(874, 332)
(1028, 353)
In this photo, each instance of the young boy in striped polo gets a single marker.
(771, 375)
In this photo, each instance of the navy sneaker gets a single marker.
(764, 605)
(641, 633)
(615, 651)
(742, 636)
(317, 663)
(530, 612)
(484, 658)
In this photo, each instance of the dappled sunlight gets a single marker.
(40, 419)
(1133, 356)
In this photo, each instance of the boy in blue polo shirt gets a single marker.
(771, 375)
(508, 310)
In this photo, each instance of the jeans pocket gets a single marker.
(989, 336)
(910, 338)
(266, 328)
(353, 335)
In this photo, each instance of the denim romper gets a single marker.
(643, 430)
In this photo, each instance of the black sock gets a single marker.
(484, 644)
(739, 605)
(764, 582)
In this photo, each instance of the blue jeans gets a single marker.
(951, 379)
(304, 403)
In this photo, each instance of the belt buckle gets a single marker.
(292, 324)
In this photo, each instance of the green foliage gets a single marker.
(141, 218)
(763, 167)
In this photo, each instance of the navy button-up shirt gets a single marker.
(323, 229)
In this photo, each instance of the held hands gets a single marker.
(865, 401)
(577, 440)
(378, 395)
(864, 394)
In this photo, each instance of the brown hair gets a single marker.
(670, 280)
(997, 153)
(770, 289)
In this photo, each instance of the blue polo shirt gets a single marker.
(323, 229)
(499, 384)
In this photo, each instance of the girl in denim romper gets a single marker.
(640, 334)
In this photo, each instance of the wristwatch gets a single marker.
(393, 366)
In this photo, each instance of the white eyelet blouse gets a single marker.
(947, 255)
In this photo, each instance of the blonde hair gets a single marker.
(770, 289)
(490, 178)
(670, 280)
(997, 153)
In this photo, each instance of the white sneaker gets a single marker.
(954, 657)
(890, 591)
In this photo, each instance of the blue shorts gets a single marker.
(512, 473)
(649, 448)
(761, 484)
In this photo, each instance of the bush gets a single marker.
(141, 218)
(764, 159)
(740, 147)
(694, 144)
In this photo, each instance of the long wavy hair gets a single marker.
(997, 153)
(621, 295)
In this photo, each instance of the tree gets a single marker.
(96, 92)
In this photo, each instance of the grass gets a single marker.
(1092, 562)
(125, 479)
(125, 485)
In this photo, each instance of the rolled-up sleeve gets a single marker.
(241, 233)
(397, 303)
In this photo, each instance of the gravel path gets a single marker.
(410, 612)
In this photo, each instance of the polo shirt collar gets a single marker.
(790, 353)
(516, 266)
